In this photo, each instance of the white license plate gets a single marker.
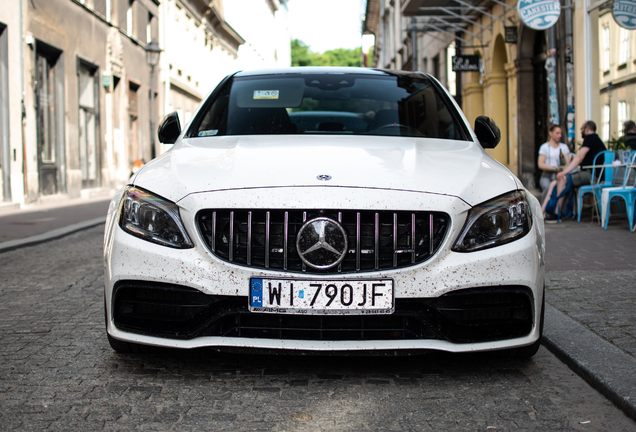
(322, 297)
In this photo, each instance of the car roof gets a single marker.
(329, 70)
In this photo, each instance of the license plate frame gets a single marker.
(300, 296)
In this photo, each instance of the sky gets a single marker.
(327, 24)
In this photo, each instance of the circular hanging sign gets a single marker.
(624, 12)
(539, 14)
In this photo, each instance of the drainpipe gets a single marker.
(569, 75)
(25, 174)
(414, 43)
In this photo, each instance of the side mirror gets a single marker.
(487, 132)
(169, 129)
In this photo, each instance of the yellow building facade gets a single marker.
(513, 86)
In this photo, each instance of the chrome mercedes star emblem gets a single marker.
(323, 177)
(322, 243)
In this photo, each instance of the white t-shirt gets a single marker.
(552, 154)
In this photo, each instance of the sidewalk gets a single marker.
(591, 304)
(590, 321)
(38, 223)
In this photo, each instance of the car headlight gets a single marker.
(494, 223)
(152, 218)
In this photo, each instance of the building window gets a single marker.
(452, 76)
(606, 49)
(622, 116)
(130, 18)
(46, 107)
(134, 150)
(606, 123)
(149, 28)
(88, 123)
(624, 48)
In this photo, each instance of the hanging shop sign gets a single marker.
(624, 12)
(466, 63)
(539, 14)
(511, 34)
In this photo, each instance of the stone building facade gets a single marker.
(528, 78)
(77, 92)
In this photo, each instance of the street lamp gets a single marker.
(152, 59)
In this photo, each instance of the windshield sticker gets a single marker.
(266, 94)
(208, 133)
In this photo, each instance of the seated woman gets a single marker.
(553, 157)
(592, 145)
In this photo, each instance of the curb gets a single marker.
(605, 367)
(51, 235)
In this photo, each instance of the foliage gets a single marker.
(303, 56)
(616, 144)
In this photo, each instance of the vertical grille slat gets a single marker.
(213, 245)
(340, 221)
(413, 238)
(378, 240)
(249, 238)
(395, 240)
(231, 237)
(430, 234)
(376, 247)
(267, 227)
(358, 246)
(285, 239)
(304, 266)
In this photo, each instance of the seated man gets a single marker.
(592, 145)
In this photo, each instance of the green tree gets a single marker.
(303, 56)
(300, 54)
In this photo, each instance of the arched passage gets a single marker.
(473, 95)
(496, 97)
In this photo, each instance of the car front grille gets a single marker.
(378, 240)
(465, 316)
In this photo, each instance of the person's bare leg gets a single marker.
(547, 197)
(560, 188)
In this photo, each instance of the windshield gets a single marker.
(330, 104)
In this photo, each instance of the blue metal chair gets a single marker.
(600, 180)
(627, 193)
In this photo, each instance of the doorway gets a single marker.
(49, 91)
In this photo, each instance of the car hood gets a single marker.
(456, 168)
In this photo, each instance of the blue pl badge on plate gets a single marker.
(624, 12)
(539, 14)
(256, 292)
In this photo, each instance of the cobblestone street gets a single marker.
(57, 372)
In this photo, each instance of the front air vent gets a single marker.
(378, 240)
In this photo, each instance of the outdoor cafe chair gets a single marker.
(604, 178)
(627, 193)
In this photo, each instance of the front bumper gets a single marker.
(456, 302)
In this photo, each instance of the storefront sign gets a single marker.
(466, 63)
(624, 12)
(539, 14)
(511, 34)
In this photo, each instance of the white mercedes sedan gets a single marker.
(326, 210)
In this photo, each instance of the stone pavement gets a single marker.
(590, 288)
(58, 373)
(591, 304)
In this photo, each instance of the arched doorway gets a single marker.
(496, 97)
